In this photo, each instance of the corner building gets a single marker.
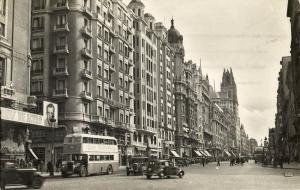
(82, 59)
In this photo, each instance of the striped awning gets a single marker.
(174, 153)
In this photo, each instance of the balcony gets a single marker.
(112, 86)
(87, 95)
(37, 72)
(86, 53)
(8, 93)
(112, 32)
(61, 6)
(61, 49)
(87, 11)
(112, 68)
(111, 13)
(130, 62)
(60, 71)
(122, 125)
(38, 29)
(130, 77)
(97, 119)
(112, 49)
(87, 31)
(87, 74)
(61, 93)
(61, 28)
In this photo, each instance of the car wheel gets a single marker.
(161, 175)
(180, 175)
(148, 176)
(37, 182)
(83, 172)
(109, 170)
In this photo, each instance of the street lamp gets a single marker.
(52, 121)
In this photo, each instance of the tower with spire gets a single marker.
(228, 92)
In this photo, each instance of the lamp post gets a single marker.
(52, 120)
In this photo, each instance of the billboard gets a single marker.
(50, 111)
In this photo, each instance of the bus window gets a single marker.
(92, 158)
(101, 141)
(105, 141)
(106, 157)
(85, 140)
(101, 157)
(90, 140)
(97, 158)
(111, 157)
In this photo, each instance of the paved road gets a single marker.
(249, 176)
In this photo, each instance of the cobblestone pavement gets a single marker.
(250, 176)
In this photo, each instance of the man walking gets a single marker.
(218, 161)
(203, 161)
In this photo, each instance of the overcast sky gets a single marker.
(249, 36)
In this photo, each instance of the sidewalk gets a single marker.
(292, 165)
(121, 169)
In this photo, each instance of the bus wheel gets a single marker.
(83, 172)
(109, 170)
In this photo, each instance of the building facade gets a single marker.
(82, 59)
(18, 109)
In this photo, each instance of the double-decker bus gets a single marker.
(86, 154)
(258, 154)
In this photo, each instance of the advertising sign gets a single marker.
(50, 111)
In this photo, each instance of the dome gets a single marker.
(173, 34)
(149, 16)
(136, 3)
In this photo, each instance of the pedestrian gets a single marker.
(41, 166)
(218, 161)
(281, 162)
(57, 166)
(50, 168)
(203, 161)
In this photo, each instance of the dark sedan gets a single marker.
(11, 175)
(162, 169)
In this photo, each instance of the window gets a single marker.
(99, 91)
(37, 23)
(99, 51)
(38, 4)
(86, 108)
(2, 29)
(61, 20)
(61, 63)
(60, 85)
(99, 31)
(37, 65)
(61, 42)
(99, 70)
(61, 3)
(37, 86)
(37, 43)
(100, 111)
(85, 86)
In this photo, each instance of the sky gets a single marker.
(249, 36)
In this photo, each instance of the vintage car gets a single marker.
(137, 165)
(12, 175)
(162, 169)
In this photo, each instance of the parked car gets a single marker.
(162, 169)
(11, 175)
(137, 165)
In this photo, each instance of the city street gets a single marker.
(249, 176)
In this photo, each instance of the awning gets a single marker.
(174, 153)
(227, 153)
(140, 148)
(233, 154)
(198, 153)
(33, 154)
(203, 153)
(207, 153)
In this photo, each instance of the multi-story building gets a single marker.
(165, 93)
(229, 101)
(146, 72)
(253, 145)
(18, 113)
(82, 59)
(245, 148)
(292, 135)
